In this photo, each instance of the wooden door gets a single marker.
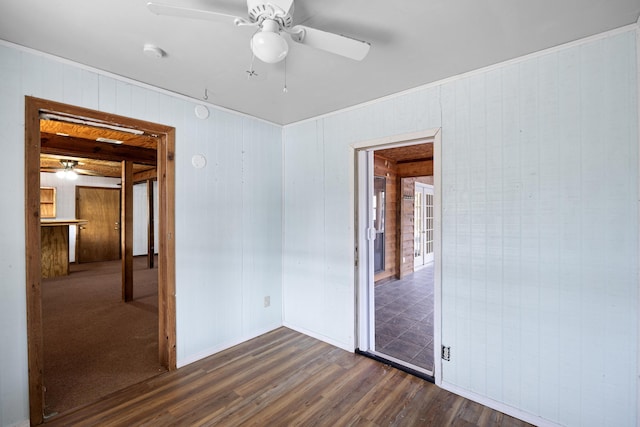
(99, 238)
(423, 225)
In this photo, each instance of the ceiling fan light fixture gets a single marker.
(268, 45)
(68, 172)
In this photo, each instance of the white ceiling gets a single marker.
(414, 42)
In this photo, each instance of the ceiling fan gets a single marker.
(272, 18)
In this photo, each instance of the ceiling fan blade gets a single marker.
(330, 42)
(186, 12)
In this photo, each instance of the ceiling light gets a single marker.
(109, 140)
(268, 45)
(68, 172)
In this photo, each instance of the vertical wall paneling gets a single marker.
(494, 226)
(621, 241)
(210, 291)
(71, 87)
(338, 236)
(13, 366)
(592, 188)
(261, 229)
(140, 218)
(140, 215)
(549, 234)
(477, 147)
(539, 227)
(449, 225)
(463, 248)
(304, 227)
(106, 93)
(569, 266)
(88, 95)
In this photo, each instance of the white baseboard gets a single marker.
(213, 350)
(346, 347)
(498, 406)
(25, 423)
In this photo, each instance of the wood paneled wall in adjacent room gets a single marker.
(389, 169)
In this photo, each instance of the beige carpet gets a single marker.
(95, 344)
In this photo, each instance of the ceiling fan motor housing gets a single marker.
(278, 10)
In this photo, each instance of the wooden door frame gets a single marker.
(166, 256)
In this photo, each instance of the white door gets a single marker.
(365, 225)
(423, 225)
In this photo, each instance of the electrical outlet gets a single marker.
(404, 260)
(267, 301)
(446, 353)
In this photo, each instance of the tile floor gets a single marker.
(404, 318)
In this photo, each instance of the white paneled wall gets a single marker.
(539, 231)
(228, 214)
(141, 218)
(318, 225)
(13, 322)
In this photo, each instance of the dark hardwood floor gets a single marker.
(284, 378)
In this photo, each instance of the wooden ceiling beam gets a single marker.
(91, 133)
(413, 169)
(150, 174)
(78, 147)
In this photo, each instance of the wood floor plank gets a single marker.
(262, 393)
(306, 395)
(396, 392)
(342, 395)
(284, 378)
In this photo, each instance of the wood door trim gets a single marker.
(166, 213)
(33, 263)
(167, 248)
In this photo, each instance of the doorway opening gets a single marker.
(97, 151)
(398, 306)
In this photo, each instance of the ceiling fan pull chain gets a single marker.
(251, 72)
(285, 89)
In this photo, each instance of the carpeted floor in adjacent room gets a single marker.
(95, 344)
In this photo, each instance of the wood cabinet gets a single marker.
(54, 240)
(47, 202)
